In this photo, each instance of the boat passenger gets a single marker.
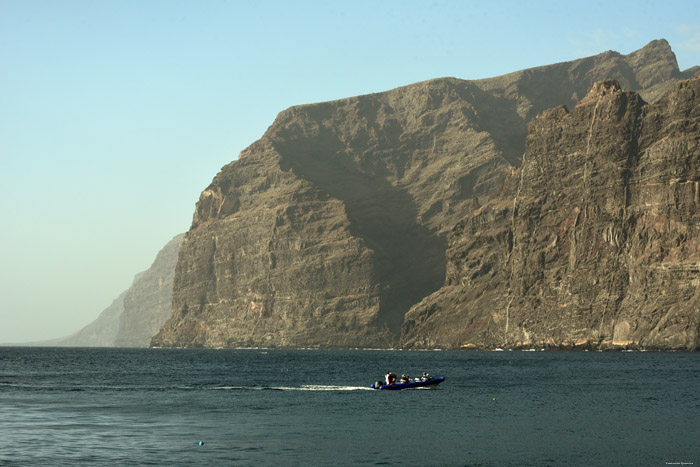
(425, 376)
(405, 379)
(390, 378)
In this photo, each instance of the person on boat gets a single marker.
(390, 378)
(425, 376)
(405, 379)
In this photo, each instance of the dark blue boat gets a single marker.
(410, 385)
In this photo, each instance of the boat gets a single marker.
(411, 384)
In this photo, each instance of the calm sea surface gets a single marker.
(63, 406)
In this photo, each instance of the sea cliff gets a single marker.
(453, 213)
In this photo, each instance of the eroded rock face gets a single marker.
(335, 223)
(593, 243)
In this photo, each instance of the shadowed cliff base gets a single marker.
(409, 258)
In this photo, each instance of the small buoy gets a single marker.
(201, 443)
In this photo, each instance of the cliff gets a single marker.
(345, 214)
(593, 242)
(147, 302)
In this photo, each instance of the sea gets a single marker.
(260, 407)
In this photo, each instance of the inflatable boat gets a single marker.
(410, 384)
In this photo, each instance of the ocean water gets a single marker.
(61, 406)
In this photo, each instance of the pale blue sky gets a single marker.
(115, 115)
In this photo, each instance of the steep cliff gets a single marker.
(147, 302)
(592, 243)
(327, 230)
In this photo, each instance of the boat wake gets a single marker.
(303, 387)
(21, 386)
(316, 387)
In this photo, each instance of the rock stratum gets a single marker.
(430, 216)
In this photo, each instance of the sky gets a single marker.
(116, 114)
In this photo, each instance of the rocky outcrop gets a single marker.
(593, 242)
(327, 230)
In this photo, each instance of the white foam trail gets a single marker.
(319, 387)
(304, 387)
(335, 388)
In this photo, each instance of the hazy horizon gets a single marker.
(115, 116)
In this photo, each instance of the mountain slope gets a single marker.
(137, 314)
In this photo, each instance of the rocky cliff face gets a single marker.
(593, 242)
(336, 222)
